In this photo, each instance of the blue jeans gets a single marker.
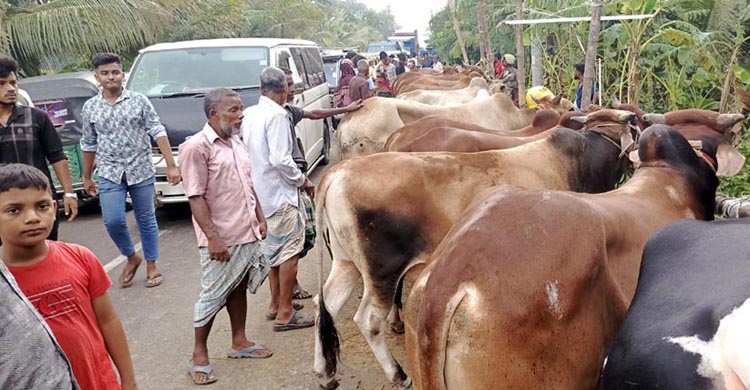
(112, 199)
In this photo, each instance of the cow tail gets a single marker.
(433, 343)
(329, 336)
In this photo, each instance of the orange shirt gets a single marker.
(61, 287)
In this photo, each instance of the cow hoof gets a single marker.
(398, 328)
(332, 384)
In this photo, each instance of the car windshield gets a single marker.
(382, 46)
(185, 71)
(330, 66)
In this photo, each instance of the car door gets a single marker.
(316, 97)
(285, 60)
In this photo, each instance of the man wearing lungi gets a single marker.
(229, 225)
(279, 180)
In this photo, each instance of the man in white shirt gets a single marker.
(266, 134)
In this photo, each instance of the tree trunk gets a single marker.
(537, 69)
(457, 28)
(590, 71)
(520, 58)
(484, 47)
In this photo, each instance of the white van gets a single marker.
(176, 76)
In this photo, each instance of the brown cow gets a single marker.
(390, 210)
(411, 81)
(452, 139)
(529, 287)
(477, 88)
(365, 131)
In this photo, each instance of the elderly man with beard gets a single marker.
(229, 225)
(296, 114)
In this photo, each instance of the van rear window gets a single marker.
(197, 70)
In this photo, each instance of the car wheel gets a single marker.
(326, 144)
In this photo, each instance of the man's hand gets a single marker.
(355, 106)
(89, 186)
(309, 187)
(71, 207)
(263, 229)
(218, 250)
(129, 385)
(173, 175)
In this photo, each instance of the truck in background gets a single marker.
(409, 40)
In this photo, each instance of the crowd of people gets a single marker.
(252, 212)
(362, 78)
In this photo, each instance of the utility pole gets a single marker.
(593, 44)
(520, 58)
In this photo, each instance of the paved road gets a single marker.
(158, 321)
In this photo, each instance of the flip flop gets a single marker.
(294, 323)
(301, 294)
(128, 280)
(295, 305)
(155, 280)
(207, 369)
(247, 353)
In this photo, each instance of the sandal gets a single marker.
(126, 278)
(295, 305)
(301, 294)
(154, 280)
(207, 369)
(247, 353)
(296, 322)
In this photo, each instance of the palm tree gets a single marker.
(51, 33)
(457, 28)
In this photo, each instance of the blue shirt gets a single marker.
(119, 135)
(579, 94)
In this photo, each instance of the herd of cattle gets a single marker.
(537, 267)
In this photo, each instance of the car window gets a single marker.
(331, 67)
(167, 72)
(316, 75)
(299, 63)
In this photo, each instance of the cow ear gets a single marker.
(556, 100)
(729, 161)
(616, 103)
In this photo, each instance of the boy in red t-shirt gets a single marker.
(65, 282)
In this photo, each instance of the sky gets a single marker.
(410, 14)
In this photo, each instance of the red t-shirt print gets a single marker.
(61, 287)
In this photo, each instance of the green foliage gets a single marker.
(64, 34)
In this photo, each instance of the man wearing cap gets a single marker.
(510, 77)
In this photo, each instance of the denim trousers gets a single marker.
(112, 200)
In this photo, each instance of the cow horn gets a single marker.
(726, 121)
(654, 118)
(556, 100)
(627, 116)
(534, 98)
(580, 119)
(616, 103)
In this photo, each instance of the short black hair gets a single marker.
(105, 59)
(350, 55)
(287, 71)
(580, 67)
(22, 176)
(8, 64)
(498, 56)
(383, 55)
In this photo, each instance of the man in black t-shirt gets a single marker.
(27, 136)
(296, 114)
